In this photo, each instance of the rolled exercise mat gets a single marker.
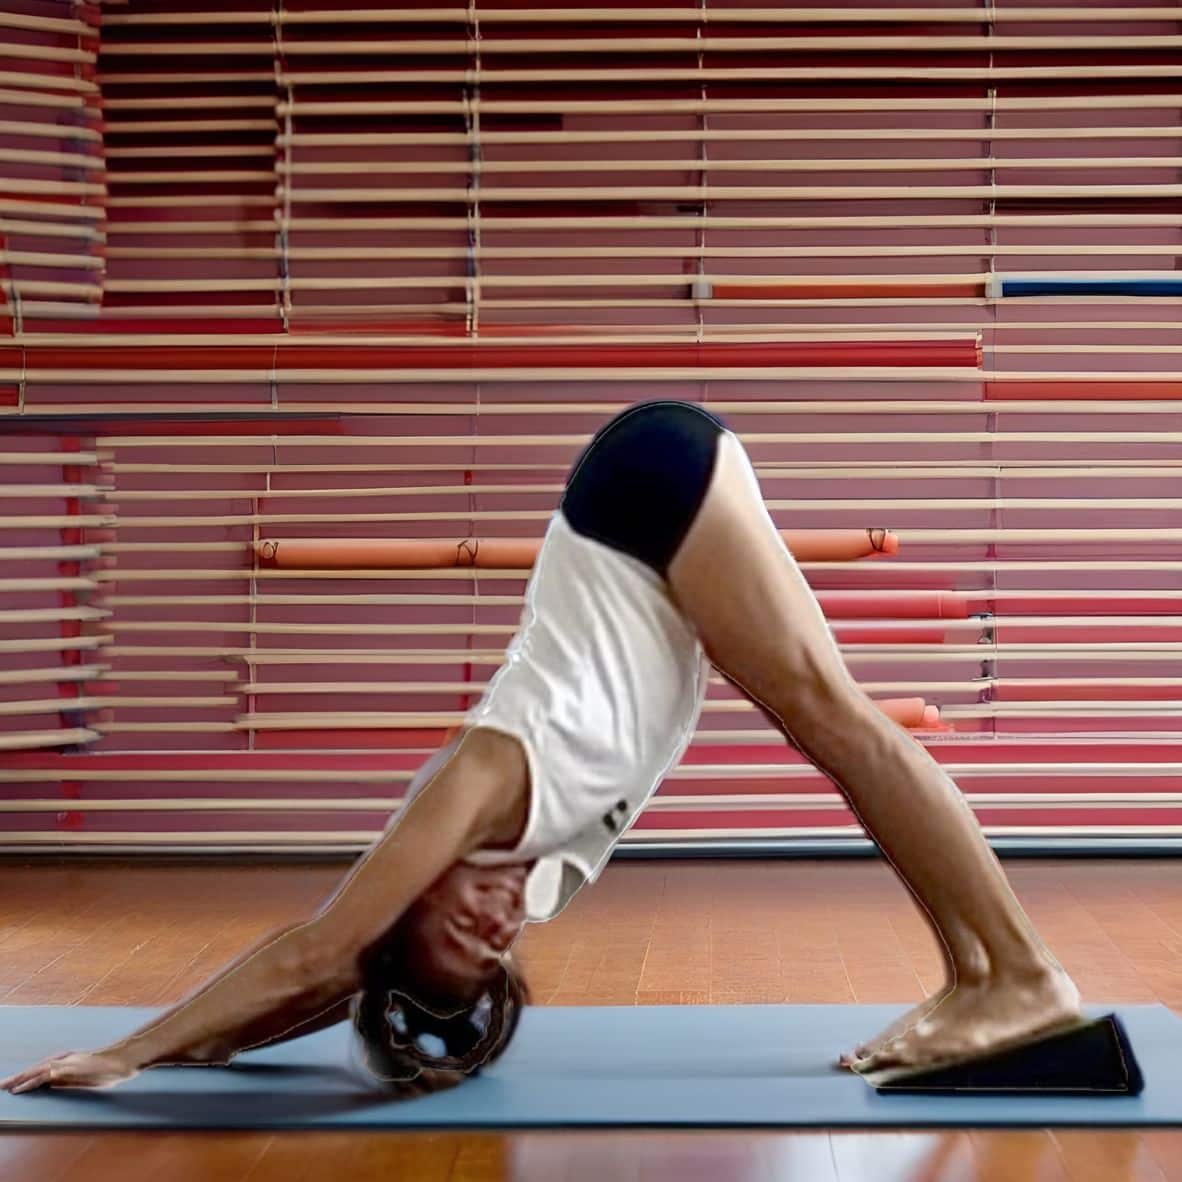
(572, 1066)
(1087, 285)
(814, 545)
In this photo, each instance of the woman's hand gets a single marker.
(74, 1069)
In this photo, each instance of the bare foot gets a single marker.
(899, 1026)
(976, 1019)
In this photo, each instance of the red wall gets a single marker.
(407, 265)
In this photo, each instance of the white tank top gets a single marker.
(602, 685)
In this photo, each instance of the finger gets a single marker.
(19, 1077)
(36, 1079)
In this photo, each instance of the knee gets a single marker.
(826, 715)
(811, 687)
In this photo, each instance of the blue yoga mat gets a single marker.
(604, 1066)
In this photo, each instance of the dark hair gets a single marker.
(396, 1028)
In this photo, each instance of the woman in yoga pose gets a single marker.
(660, 560)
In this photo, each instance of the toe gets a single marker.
(893, 1054)
(859, 1052)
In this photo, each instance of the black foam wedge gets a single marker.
(1094, 1058)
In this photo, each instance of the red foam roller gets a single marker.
(869, 634)
(1034, 391)
(1127, 631)
(918, 605)
(846, 291)
(305, 354)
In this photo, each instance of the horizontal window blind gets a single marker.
(374, 275)
(52, 171)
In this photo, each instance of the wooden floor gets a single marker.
(108, 933)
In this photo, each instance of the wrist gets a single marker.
(138, 1053)
(130, 1052)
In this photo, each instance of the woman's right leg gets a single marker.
(761, 625)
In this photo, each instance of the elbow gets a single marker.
(321, 965)
(347, 976)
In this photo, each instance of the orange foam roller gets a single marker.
(397, 553)
(912, 713)
(808, 545)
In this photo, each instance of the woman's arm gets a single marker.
(331, 1017)
(268, 991)
(301, 972)
(340, 1012)
(105, 1068)
(306, 970)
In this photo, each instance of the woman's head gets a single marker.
(441, 996)
(455, 935)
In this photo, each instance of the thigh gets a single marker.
(757, 617)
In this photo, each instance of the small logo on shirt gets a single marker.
(615, 818)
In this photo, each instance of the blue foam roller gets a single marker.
(1087, 287)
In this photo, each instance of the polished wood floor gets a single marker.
(112, 933)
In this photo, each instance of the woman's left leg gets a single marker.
(762, 626)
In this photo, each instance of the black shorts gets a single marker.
(640, 483)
